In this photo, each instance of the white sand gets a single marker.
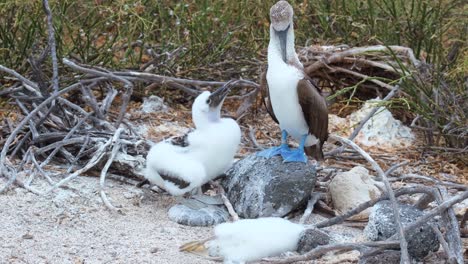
(73, 226)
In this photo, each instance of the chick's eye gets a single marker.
(208, 101)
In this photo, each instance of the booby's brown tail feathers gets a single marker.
(315, 152)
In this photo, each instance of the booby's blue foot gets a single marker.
(274, 151)
(296, 155)
(283, 148)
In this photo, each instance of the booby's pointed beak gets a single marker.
(283, 36)
(219, 95)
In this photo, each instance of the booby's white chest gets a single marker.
(282, 84)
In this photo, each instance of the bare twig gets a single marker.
(115, 149)
(52, 45)
(226, 201)
(396, 166)
(252, 137)
(29, 85)
(365, 119)
(430, 179)
(455, 244)
(314, 197)
(127, 85)
(364, 77)
(429, 215)
(321, 250)
(20, 126)
(396, 212)
(341, 218)
(451, 257)
(338, 56)
(96, 158)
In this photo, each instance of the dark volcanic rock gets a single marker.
(381, 226)
(387, 257)
(260, 187)
(208, 215)
(312, 238)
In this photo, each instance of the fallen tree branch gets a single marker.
(226, 201)
(52, 45)
(321, 250)
(451, 257)
(339, 56)
(409, 176)
(20, 126)
(455, 244)
(403, 243)
(428, 216)
(341, 218)
(96, 158)
(128, 86)
(29, 85)
(314, 197)
(102, 180)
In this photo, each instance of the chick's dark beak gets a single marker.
(218, 96)
(283, 36)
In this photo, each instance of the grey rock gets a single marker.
(381, 226)
(312, 238)
(387, 257)
(260, 187)
(206, 215)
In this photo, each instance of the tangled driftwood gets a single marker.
(74, 125)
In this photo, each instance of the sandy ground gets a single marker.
(72, 226)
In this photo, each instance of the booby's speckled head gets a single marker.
(281, 16)
(207, 106)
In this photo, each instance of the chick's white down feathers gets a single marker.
(254, 239)
(210, 151)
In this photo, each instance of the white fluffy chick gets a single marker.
(254, 239)
(180, 165)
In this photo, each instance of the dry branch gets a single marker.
(403, 243)
(116, 147)
(52, 45)
(321, 250)
(364, 121)
(29, 85)
(330, 58)
(314, 197)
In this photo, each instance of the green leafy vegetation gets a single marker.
(196, 38)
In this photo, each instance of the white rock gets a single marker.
(350, 189)
(337, 124)
(153, 104)
(382, 129)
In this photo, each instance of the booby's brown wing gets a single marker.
(315, 111)
(266, 95)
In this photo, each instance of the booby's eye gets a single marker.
(208, 101)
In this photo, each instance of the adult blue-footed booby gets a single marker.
(179, 165)
(294, 101)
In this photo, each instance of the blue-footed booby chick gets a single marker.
(293, 100)
(250, 239)
(180, 165)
